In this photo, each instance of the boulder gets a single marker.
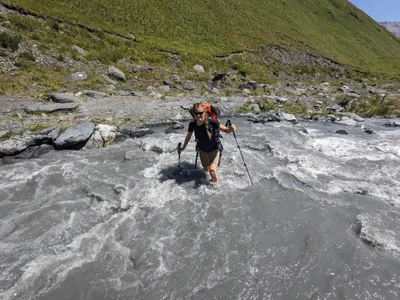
(220, 77)
(246, 92)
(55, 134)
(74, 137)
(110, 88)
(189, 85)
(277, 99)
(39, 139)
(346, 121)
(376, 91)
(256, 118)
(134, 132)
(116, 73)
(48, 108)
(331, 118)
(135, 69)
(289, 118)
(392, 124)
(79, 50)
(335, 108)
(246, 86)
(62, 97)
(199, 69)
(76, 76)
(175, 127)
(108, 80)
(34, 152)
(274, 116)
(341, 131)
(176, 78)
(4, 133)
(255, 108)
(103, 135)
(127, 92)
(366, 130)
(165, 88)
(167, 82)
(345, 89)
(352, 95)
(13, 146)
(17, 145)
(94, 94)
(354, 116)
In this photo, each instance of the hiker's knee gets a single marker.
(212, 169)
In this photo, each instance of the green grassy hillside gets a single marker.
(333, 28)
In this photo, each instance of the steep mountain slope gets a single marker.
(333, 28)
(393, 27)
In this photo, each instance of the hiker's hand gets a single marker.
(180, 149)
(232, 128)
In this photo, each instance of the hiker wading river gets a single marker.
(206, 131)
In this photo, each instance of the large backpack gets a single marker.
(211, 110)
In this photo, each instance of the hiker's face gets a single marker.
(199, 114)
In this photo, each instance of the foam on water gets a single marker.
(381, 233)
(362, 164)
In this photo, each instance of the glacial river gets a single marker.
(322, 220)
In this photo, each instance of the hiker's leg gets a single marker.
(205, 162)
(213, 173)
(214, 158)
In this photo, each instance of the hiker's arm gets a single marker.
(229, 129)
(187, 139)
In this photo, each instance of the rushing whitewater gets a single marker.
(322, 220)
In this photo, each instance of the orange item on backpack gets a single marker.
(211, 111)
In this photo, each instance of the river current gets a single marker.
(322, 220)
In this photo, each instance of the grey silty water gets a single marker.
(320, 222)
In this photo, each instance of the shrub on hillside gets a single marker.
(26, 55)
(8, 40)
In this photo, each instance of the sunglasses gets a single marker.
(198, 113)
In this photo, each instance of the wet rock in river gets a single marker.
(15, 146)
(75, 137)
(392, 124)
(341, 131)
(103, 135)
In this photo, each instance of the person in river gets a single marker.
(206, 131)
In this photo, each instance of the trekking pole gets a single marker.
(179, 155)
(228, 123)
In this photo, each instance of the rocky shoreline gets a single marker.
(90, 119)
